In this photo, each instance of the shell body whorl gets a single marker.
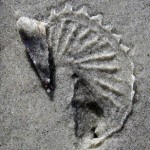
(97, 55)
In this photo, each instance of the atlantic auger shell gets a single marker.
(81, 42)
